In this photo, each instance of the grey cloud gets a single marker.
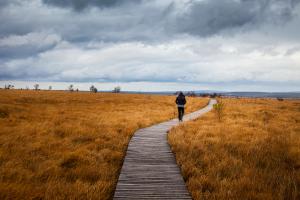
(18, 46)
(4, 3)
(292, 51)
(25, 73)
(22, 51)
(168, 62)
(147, 21)
(210, 17)
(115, 25)
(200, 18)
(82, 4)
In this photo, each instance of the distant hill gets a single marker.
(231, 94)
(263, 94)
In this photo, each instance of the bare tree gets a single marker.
(36, 86)
(117, 89)
(50, 87)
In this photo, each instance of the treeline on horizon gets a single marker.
(70, 88)
(277, 95)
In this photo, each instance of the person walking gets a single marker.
(180, 101)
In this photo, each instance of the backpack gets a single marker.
(180, 100)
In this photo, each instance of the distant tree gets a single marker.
(204, 95)
(50, 87)
(77, 90)
(36, 86)
(9, 86)
(71, 88)
(117, 89)
(191, 94)
(214, 95)
(93, 89)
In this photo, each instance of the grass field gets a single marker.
(63, 145)
(252, 153)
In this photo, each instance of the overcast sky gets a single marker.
(198, 44)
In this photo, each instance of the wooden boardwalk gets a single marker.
(149, 170)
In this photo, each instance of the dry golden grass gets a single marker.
(253, 153)
(61, 145)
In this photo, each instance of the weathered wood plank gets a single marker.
(149, 170)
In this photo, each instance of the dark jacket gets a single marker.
(180, 100)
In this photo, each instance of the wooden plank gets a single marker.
(149, 170)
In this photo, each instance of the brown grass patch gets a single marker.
(61, 145)
(253, 153)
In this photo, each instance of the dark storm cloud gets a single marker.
(210, 17)
(27, 45)
(4, 3)
(22, 51)
(149, 22)
(82, 4)
(146, 21)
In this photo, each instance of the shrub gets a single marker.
(69, 162)
(36, 86)
(266, 117)
(4, 113)
(280, 99)
(117, 89)
(219, 110)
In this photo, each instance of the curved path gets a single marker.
(149, 170)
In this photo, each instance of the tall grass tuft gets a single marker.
(219, 110)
